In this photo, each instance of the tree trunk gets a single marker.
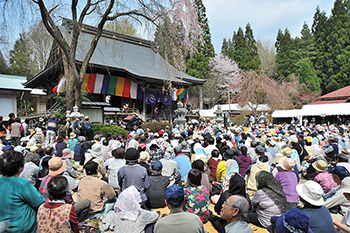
(78, 96)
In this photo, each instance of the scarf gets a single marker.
(273, 189)
(128, 204)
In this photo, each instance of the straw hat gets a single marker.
(56, 166)
(320, 165)
(72, 135)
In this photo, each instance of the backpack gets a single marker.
(88, 128)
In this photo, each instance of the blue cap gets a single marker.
(174, 195)
(291, 221)
(156, 166)
(340, 171)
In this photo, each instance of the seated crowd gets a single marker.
(249, 175)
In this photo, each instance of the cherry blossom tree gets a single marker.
(226, 74)
(257, 88)
(146, 12)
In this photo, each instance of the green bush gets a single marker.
(115, 130)
(156, 126)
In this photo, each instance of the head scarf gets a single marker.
(128, 204)
(273, 189)
(231, 167)
(237, 185)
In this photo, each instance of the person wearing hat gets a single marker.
(157, 186)
(67, 154)
(56, 215)
(39, 137)
(95, 154)
(310, 194)
(294, 220)
(235, 212)
(261, 165)
(94, 190)
(144, 161)
(155, 151)
(133, 174)
(221, 168)
(288, 179)
(323, 177)
(20, 200)
(331, 149)
(178, 220)
(51, 131)
(342, 160)
(170, 167)
(335, 197)
(56, 168)
(87, 128)
(72, 141)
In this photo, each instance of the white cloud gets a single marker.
(265, 17)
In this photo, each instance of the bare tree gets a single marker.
(267, 55)
(150, 12)
(40, 42)
(124, 26)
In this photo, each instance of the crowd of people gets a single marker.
(285, 178)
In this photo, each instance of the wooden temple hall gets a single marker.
(123, 70)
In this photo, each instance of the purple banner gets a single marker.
(151, 97)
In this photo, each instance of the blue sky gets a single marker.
(264, 16)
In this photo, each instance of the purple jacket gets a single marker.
(245, 163)
(289, 182)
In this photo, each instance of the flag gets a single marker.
(112, 85)
(56, 87)
(126, 88)
(91, 83)
(133, 90)
(98, 83)
(105, 84)
(120, 87)
(181, 93)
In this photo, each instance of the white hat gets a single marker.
(96, 149)
(311, 192)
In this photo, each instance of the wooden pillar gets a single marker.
(200, 97)
(171, 114)
(144, 105)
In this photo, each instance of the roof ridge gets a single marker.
(67, 23)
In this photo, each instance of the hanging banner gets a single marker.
(105, 84)
(151, 97)
(166, 99)
(112, 85)
(133, 90)
(181, 93)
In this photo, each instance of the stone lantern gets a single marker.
(219, 116)
(181, 113)
(75, 113)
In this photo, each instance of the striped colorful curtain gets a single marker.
(112, 85)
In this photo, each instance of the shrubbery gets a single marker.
(115, 130)
(156, 126)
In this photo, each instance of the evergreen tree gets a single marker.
(252, 60)
(224, 47)
(307, 44)
(285, 54)
(319, 31)
(197, 65)
(338, 44)
(3, 65)
(20, 61)
(308, 75)
(239, 47)
(244, 49)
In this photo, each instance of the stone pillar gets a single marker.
(200, 97)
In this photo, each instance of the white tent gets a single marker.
(326, 109)
(287, 113)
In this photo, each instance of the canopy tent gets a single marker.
(326, 109)
(315, 110)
